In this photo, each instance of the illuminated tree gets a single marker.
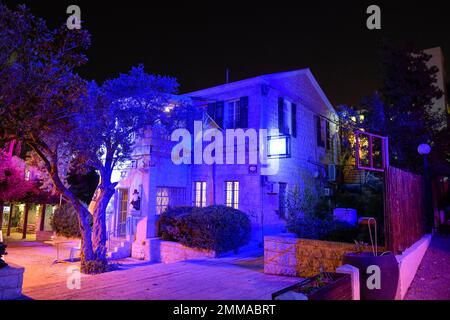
(114, 116)
(39, 94)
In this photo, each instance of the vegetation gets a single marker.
(401, 108)
(65, 221)
(46, 106)
(217, 228)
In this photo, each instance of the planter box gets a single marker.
(339, 289)
(11, 279)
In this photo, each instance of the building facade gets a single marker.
(301, 145)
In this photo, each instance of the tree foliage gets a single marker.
(39, 94)
(402, 108)
(13, 185)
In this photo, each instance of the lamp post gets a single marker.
(424, 149)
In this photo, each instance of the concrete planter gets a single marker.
(339, 287)
(11, 280)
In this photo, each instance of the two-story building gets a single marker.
(301, 144)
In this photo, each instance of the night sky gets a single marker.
(195, 42)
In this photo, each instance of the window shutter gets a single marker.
(211, 109)
(218, 116)
(280, 115)
(319, 131)
(243, 105)
(294, 120)
(328, 135)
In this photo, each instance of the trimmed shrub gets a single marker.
(312, 227)
(169, 221)
(217, 228)
(65, 221)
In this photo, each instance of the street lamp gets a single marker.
(424, 149)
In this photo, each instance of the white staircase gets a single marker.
(118, 248)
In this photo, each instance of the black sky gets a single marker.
(195, 41)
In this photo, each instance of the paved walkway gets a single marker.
(228, 278)
(432, 281)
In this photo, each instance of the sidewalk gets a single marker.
(432, 281)
(228, 278)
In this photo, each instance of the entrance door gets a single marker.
(122, 212)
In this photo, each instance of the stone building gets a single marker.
(300, 149)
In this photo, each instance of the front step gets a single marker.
(119, 249)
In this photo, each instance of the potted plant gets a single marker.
(324, 286)
(378, 272)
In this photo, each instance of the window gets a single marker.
(232, 194)
(169, 197)
(328, 135)
(233, 114)
(200, 194)
(320, 141)
(282, 200)
(287, 117)
(122, 212)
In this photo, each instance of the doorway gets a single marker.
(122, 212)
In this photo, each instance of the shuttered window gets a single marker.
(328, 135)
(287, 117)
(294, 120)
(320, 140)
(216, 111)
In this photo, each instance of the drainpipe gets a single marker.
(214, 182)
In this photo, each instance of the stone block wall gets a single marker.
(11, 279)
(291, 256)
(157, 250)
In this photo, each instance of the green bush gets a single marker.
(65, 221)
(312, 227)
(217, 228)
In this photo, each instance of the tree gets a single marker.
(114, 116)
(13, 185)
(39, 95)
(407, 94)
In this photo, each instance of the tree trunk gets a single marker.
(25, 220)
(88, 263)
(42, 217)
(103, 194)
(11, 208)
(1, 215)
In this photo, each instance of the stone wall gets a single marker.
(291, 256)
(157, 250)
(11, 279)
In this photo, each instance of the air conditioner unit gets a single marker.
(331, 172)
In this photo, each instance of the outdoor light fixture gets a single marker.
(279, 147)
(424, 149)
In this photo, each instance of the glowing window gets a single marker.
(200, 194)
(232, 194)
(169, 197)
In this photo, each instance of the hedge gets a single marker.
(217, 228)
